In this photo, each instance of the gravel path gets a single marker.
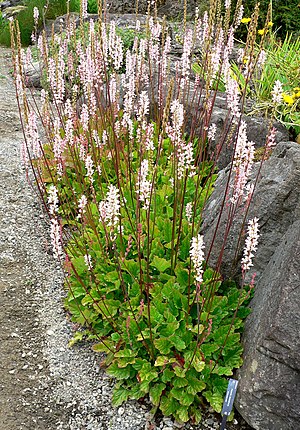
(44, 385)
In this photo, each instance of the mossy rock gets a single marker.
(13, 10)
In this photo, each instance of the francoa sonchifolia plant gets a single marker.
(126, 166)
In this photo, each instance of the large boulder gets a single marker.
(269, 390)
(275, 202)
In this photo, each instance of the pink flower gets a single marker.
(84, 5)
(186, 56)
(82, 206)
(143, 185)
(277, 92)
(32, 135)
(55, 235)
(232, 96)
(251, 244)
(271, 139)
(211, 134)
(89, 165)
(84, 117)
(189, 212)
(197, 256)
(88, 261)
(36, 15)
(242, 163)
(53, 199)
(110, 207)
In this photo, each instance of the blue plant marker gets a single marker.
(228, 402)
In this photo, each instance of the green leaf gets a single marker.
(219, 384)
(156, 392)
(160, 264)
(162, 360)
(198, 364)
(195, 386)
(179, 382)
(182, 396)
(101, 347)
(123, 362)
(215, 400)
(222, 370)
(163, 345)
(168, 405)
(115, 337)
(119, 396)
(136, 392)
(78, 337)
(208, 348)
(182, 276)
(167, 375)
(178, 343)
(120, 373)
(168, 329)
(182, 414)
(232, 356)
(127, 353)
(196, 415)
(147, 372)
(179, 371)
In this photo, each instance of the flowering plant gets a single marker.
(128, 165)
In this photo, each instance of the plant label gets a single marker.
(228, 401)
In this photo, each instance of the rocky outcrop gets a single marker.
(170, 8)
(276, 203)
(257, 128)
(269, 390)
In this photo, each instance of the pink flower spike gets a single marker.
(197, 256)
(250, 245)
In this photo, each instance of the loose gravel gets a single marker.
(44, 384)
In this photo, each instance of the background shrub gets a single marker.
(284, 14)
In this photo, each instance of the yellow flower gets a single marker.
(297, 89)
(261, 32)
(270, 24)
(297, 95)
(245, 20)
(288, 99)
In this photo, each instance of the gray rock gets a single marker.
(275, 202)
(257, 128)
(12, 11)
(9, 3)
(33, 75)
(170, 8)
(269, 389)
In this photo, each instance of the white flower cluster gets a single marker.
(53, 200)
(82, 206)
(197, 256)
(110, 207)
(251, 244)
(143, 186)
(277, 92)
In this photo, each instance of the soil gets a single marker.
(44, 385)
